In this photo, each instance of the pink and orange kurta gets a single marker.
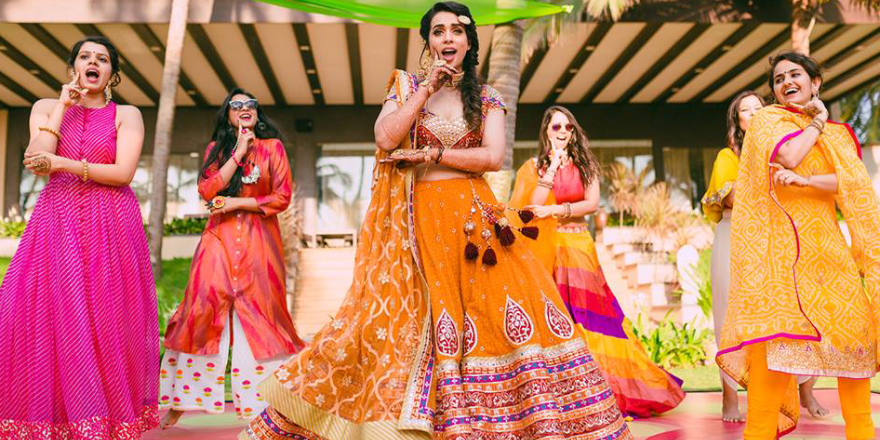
(239, 264)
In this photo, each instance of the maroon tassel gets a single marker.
(506, 236)
(497, 229)
(526, 216)
(489, 258)
(530, 231)
(471, 251)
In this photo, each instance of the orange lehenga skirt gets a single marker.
(505, 361)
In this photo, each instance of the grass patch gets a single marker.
(706, 379)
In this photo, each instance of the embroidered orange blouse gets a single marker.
(239, 264)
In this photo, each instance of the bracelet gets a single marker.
(440, 155)
(85, 176)
(236, 161)
(52, 132)
(817, 125)
(545, 184)
(567, 210)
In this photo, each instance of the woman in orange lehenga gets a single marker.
(793, 277)
(446, 332)
(563, 183)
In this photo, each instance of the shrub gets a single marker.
(671, 345)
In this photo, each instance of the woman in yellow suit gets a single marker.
(801, 302)
(718, 207)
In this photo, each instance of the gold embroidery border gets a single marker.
(325, 424)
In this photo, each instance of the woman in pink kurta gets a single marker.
(79, 344)
(236, 289)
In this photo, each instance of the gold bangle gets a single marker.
(52, 132)
(543, 183)
(85, 176)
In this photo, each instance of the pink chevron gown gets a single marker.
(79, 344)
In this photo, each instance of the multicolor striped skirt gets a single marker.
(642, 388)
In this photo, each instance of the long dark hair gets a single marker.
(735, 134)
(810, 65)
(578, 147)
(111, 50)
(225, 136)
(470, 84)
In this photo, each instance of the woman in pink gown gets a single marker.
(79, 344)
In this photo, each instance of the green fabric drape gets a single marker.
(407, 13)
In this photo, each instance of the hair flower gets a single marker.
(464, 19)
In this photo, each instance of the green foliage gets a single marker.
(614, 220)
(169, 289)
(703, 272)
(185, 226)
(672, 345)
(10, 228)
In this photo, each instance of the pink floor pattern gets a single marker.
(698, 417)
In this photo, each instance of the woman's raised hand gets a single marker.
(71, 93)
(246, 138)
(440, 74)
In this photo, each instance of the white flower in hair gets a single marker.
(464, 19)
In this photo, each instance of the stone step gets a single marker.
(325, 275)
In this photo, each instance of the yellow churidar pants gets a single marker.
(768, 388)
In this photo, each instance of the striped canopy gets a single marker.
(408, 13)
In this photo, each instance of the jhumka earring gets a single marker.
(108, 93)
(425, 64)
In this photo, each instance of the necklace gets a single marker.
(253, 175)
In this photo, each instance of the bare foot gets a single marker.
(730, 406)
(170, 419)
(808, 401)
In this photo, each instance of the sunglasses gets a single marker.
(250, 104)
(568, 127)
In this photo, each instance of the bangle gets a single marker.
(567, 210)
(236, 161)
(440, 155)
(52, 132)
(545, 184)
(818, 125)
(85, 176)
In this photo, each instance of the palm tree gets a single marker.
(164, 124)
(803, 18)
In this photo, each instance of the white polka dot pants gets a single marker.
(190, 382)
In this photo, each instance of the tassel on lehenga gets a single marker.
(493, 215)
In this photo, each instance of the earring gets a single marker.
(425, 64)
(108, 93)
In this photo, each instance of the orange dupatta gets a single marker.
(360, 376)
(544, 247)
(764, 303)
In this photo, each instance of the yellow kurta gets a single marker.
(795, 285)
(721, 183)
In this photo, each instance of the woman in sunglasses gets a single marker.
(561, 185)
(236, 285)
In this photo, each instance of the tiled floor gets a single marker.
(697, 418)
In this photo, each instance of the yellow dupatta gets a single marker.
(358, 377)
(764, 303)
(720, 184)
(544, 247)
